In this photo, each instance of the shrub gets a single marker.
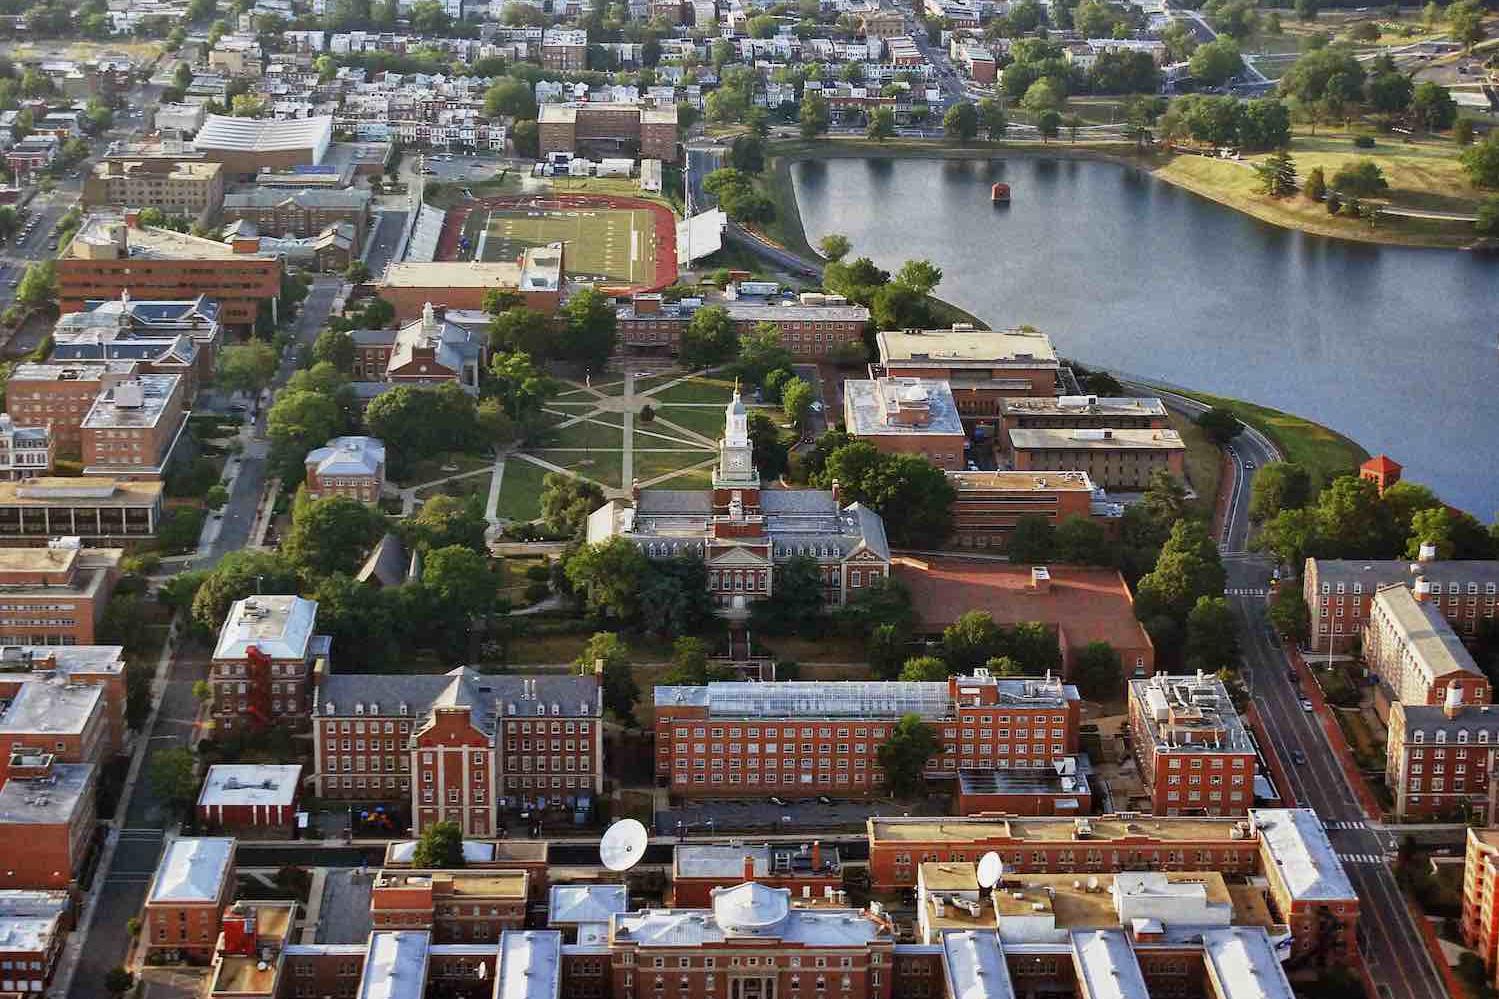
(216, 497)
(538, 573)
(1364, 141)
(537, 592)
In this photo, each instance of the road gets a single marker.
(388, 228)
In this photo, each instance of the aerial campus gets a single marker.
(720, 499)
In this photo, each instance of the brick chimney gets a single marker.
(133, 218)
(835, 490)
(1453, 705)
(749, 867)
(816, 855)
(1422, 589)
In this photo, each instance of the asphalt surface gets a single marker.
(388, 228)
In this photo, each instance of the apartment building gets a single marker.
(111, 256)
(1415, 653)
(1340, 593)
(700, 869)
(564, 49)
(100, 665)
(988, 505)
(1080, 604)
(1194, 753)
(1480, 917)
(347, 466)
(797, 738)
(59, 395)
(303, 214)
(267, 662)
(190, 188)
(817, 326)
(33, 928)
(25, 452)
(1115, 459)
(55, 595)
(1082, 412)
(133, 427)
(982, 367)
(455, 906)
(47, 816)
(193, 884)
(1309, 889)
(609, 130)
(91, 508)
(906, 416)
(50, 715)
(461, 747)
(1439, 760)
(257, 796)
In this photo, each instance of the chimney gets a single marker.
(835, 490)
(1040, 579)
(816, 855)
(1453, 706)
(749, 867)
(250, 244)
(1423, 589)
(635, 490)
(133, 218)
(1427, 552)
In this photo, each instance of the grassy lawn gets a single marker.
(1423, 174)
(1204, 462)
(441, 466)
(705, 420)
(641, 384)
(520, 490)
(649, 464)
(601, 466)
(1324, 453)
(697, 478)
(472, 485)
(697, 389)
(586, 434)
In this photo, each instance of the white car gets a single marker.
(1306, 706)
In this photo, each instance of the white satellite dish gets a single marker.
(990, 868)
(623, 845)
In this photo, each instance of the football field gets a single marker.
(603, 244)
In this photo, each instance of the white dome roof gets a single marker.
(751, 909)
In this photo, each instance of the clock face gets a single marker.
(737, 462)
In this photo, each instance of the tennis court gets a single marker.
(603, 244)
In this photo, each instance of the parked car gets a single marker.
(1306, 705)
(1298, 757)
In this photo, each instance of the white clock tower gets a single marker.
(736, 463)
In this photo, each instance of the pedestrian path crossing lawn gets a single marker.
(586, 434)
(602, 467)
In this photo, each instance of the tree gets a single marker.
(38, 287)
(567, 501)
(606, 574)
(1041, 96)
(834, 246)
(510, 97)
(1432, 106)
(961, 122)
(1306, 10)
(525, 136)
(247, 106)
(1309, 77)
(522, 329)
(331, 534)
(1390, 93)
(690, 666)
(970, 641)
(760, 352)
(795, 605)
(1360, 179)
(118, 981)
(1315, 187)
(440, 848)
(444, 520)
(240, 574)
(921, 276)
(813, 117)
(619, 688)
(334, 347)
(368, 625)
(1465, 22)
(926, 668)
(709, 339)
(993, 119)
(1487, 223)
(885, 650)
(881, 124)
(1480, 161)
(896, 306)
(298, 422)
(1187, 567)
(418, 420)
(1032, 541)
(1351, 521)
(1432, 526)
(1289, 535)
(1289, 614)
(591, 322)
(246, 367)
(796, 401)
(1212, 635)
(1220, 424)
(172, 777)
(1278, 485)
(1081, 540)
(1216, 62)
(904, 755)
(1048, 123)
(520, 386)
(1098, 671)
(915, 493)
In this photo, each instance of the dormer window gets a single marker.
(1462, 735)
(374, 708)
(556, 708)
(328, 707)
(359, 709)
(1441, 736)
(405, 709)
(1418, 736)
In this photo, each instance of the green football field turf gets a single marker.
(599, 243)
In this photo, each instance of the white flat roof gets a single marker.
(279, 625)
(1244, 965)
(975, 965)
(474, 851)
(263, 134)
(250, 784)
(530, 965)
(395, 965)
(573, 904)
(1299, 848)
(53, 706)
(193, 869)
(1106, 965)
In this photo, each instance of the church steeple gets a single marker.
(736, 465)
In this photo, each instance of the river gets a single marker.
(1397, 348)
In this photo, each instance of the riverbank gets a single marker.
(1423, 175)
(1323, 452)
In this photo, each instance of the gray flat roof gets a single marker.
(53, 707)
(871, 407)
(1299, 848)
(52, 801)
(192, 869)
(1067, 439)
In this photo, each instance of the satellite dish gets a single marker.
(990, 868)
(623, 845)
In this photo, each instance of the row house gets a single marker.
(463, 747)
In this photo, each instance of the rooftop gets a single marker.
(104, 234)
(1243, 964)
(250, 784)
(569, 905)
(975, 966)
(1106, 965)
(900, 407)
(280, 626)
(748, 311)
(748, 910)
(1083, 405)
(263, 134)
(349, 456)
(1432, 643)
(193, 869)
(965, 346)
(476, 883)
(52, 707)
(1023, 780)
(73, 371)
(52, 800)
(1006, 481)
(1298, 846)
(1102, 829)
(63, 659)
(711, 860)
(84, 491)
(854, 698)
(1053, 438)
(140, 402)
(1370, 574)
(395, 965)
(530, 965)
(352, 199)
(32, 921)
(1191, 714)
(540, 269)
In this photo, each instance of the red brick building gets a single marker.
(906, 416)
(1309, 890)
(415, 287)
(51, 715)
(1439, 761)
(1480, 918)
(700, 869)
(1115, 459)
(185, 904)
(55, 595)
(47, 816)
(133, 427)
(33, 928)
(253, 796)
(100, 665)
(463, 747)
(811, 329)
(799, 739)
(347, 466)
(266, 662)
(1082, 412)
(1081, 604)
(609, 130)
(1055, 790)
(1382, 470)
(982, 367)
(59, 395)
(1194, 753)
(1340, 593)
(462, 906)
(988, 504)
(1415, 653)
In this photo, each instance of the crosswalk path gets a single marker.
(1345, 825)
(1246, 592)
(1361, 858)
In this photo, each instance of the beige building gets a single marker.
(1115, 459)
(191, 188)
(982, 367)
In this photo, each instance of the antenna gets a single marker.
(990, 868)
(623, 845)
